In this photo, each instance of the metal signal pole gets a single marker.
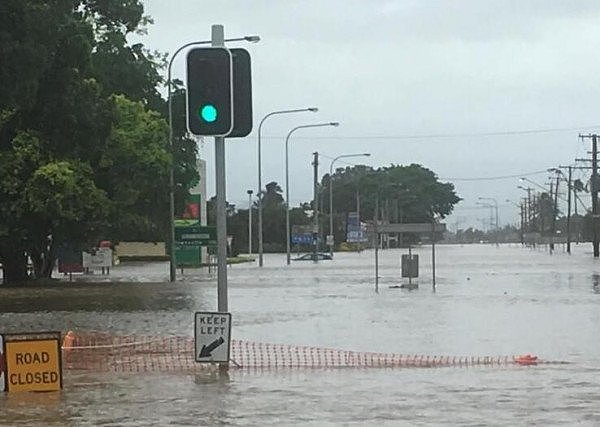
(218, 40)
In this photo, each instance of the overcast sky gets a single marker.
(388, 70)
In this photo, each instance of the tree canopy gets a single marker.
(84, 151)
(410, 193)
(402, 194)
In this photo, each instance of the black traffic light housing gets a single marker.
(209, 91)
(219, 92)
(242, 94)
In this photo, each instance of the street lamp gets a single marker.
(249, 221)
(331, 242)
(172, 267)
(260, 222)
(521, 207)
(287, 183)
(496, 207)
(534, 183)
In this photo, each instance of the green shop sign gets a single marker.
(196, 235)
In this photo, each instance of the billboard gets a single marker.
(70, 258)
(97, 258)
(302, 234)
(355, 231)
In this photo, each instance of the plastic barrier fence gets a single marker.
(134, 353)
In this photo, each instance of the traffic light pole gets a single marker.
(218, 40)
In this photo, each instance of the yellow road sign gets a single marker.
(33, 364)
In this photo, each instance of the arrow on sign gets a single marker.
(207, 349)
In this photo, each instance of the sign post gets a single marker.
(212, 332)
(2, 365)
(417, 228)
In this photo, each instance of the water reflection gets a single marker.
(25, 407)
(596, 283)
(212, 376)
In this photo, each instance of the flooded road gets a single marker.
(488, 301)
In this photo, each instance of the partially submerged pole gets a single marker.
(433, 251)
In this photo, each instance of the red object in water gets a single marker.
(526, 359)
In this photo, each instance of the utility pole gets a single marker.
(529, 213)
(315, 206)
(522, 207)
(540, 212)
(569, 211)
(569, 189)
(594, 190)
(576, 198)
(554, 210)
(576, 216)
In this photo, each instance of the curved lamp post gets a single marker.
(287, 182)
(260, 227)
(172, 267)
(331, 193)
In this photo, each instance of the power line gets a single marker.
(489, 178)
(447, 135)
(495, 178)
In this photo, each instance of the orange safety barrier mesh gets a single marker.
(134, 353)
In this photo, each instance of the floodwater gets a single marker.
(488, 301)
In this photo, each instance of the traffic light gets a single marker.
(242, 94)
(209, 91)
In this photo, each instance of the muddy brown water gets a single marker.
(488, 301)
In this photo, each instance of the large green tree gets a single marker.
(82, 154)
(395, 193)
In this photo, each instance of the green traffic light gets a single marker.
(208, 113)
